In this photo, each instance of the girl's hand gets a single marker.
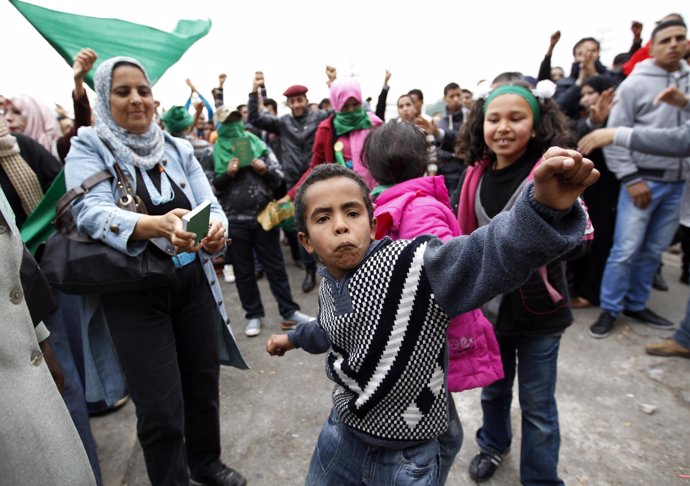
(233, 167)
(595, 139)
(600, 110)
(215, 239)
(168, 225)
(277, 345)
(562, 177)
(259, 166)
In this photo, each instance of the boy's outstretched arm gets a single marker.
(467, 271)
(562, 177)
(309, 336)
(278, 344)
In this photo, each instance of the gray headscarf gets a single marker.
(139, 150)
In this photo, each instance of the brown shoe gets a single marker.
(580, 303)
(667, 347)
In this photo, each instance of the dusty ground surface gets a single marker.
(271, 415)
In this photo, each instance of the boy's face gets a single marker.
(338, 224)
(453, 99)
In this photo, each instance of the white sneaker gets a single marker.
(228, 274)
(253, 327)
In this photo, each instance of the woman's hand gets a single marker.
(562, 177)
(215, 239)
(259, 166)
(277, 345)
(233, 167)
(595, 139)
(168, 225)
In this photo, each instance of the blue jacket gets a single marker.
(97, 215)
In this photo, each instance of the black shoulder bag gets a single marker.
(74, 263)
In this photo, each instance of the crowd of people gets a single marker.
(567, 189)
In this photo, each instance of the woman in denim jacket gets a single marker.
(167, 338)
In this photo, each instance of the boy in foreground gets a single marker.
(384, 308)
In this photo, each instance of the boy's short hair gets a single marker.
(417, 92)
(323, 172)
(450, 86)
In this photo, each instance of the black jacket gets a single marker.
(296, 136)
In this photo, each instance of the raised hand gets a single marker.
(595, 139)
(562, 177)
(83, 62)
(673, 96)
(599, 112)
(258, 81)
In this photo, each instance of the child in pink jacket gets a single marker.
(408, 204)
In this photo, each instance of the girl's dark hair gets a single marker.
(395, 152)
(553, 129)
(323, 172)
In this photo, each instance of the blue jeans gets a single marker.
(682, 334)
(535, 359)
(342, 458)
(449, 442)
(641, 236)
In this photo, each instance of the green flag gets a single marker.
(39, 225)
(155, 49)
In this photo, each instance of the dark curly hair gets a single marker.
(553, 129)
(323, 172)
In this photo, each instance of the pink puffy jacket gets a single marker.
(422, 206)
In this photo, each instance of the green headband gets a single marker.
(526, 93)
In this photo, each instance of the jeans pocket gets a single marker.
(420, 464)
(326, 451)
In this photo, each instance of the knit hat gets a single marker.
(176, 119)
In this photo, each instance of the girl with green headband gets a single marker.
(506, 137)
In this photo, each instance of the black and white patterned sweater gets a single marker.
(384, 324)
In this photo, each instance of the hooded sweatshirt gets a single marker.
(634, 107)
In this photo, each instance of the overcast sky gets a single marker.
(425, 44)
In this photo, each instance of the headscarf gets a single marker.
(144, 150)
(18, 171)
(177, 119)
(41, 123)
(355, 126)
(223, 149)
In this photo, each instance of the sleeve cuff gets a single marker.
(42, 332)
(623, 136)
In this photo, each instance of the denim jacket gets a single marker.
(97, 215)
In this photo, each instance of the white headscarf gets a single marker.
(144, 150)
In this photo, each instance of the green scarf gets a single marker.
(376, 192)
(345, 122)
(227, 134)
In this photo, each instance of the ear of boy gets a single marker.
(562, 177)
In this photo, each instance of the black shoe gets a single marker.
(603, 325)
(659, 282)
(650, 318)
(309, 281)
(484, 466)
(224, 477)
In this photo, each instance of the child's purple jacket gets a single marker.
(422, 206)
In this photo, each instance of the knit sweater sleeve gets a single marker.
(467, 271)
(311, 337)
